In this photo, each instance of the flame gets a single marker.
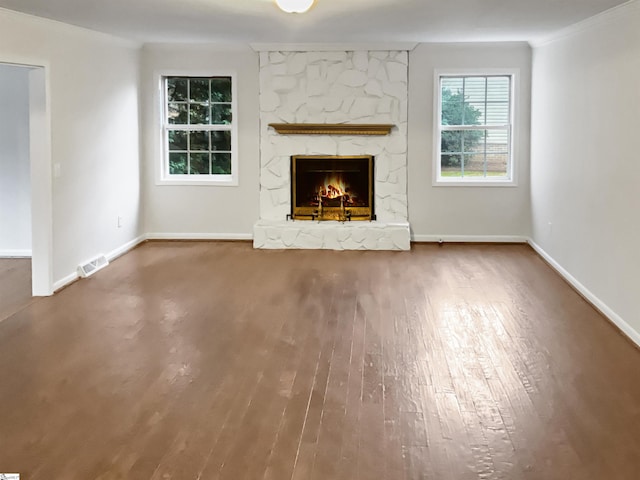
(334, 187)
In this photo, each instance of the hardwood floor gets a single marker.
(15, 285)
(216, 361)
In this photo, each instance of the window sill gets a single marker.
(474, 183)
(218, 181)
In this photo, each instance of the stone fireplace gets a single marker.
(343, 89)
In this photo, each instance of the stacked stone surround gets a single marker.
(333, 87)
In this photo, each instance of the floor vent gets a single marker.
(92, 266)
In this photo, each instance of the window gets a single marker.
(474, 130)
(198, 130)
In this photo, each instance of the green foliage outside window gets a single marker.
(199, 114)
(456, 111)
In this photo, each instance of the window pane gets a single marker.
(176, 89)
(455, 111)
(221, 140)
(498, 98)
(474, 165)
(199, 164)
(497, 113)
(475, 100)
(472, 147)
(221, 114)
(498, 136)
(199, 114)
(462, 141)
(199, 90)
(177, 113)
(452, 106)
(453, 84)
(177, 163)
(193, 105)
(473, 140)
(474, 96)
(474, 113)
(221, 163)
(464, 148)
(451, 142)
(451, 165)
(177, 140)
(491, 165)
(498, 89)
(497, 164)
(199, 140)
(221, 89)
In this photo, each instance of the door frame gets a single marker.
(41, 172)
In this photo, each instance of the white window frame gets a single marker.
(511, 179)
(162, 169)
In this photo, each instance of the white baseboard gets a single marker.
(63, 282)
(72, 277)
(118, 252)
(15, 253)
(199, 236)
(588, 295)
(469, 238)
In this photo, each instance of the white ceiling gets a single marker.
(329, 21)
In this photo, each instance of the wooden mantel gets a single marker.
(332, 128)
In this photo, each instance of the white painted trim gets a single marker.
(333, 47)
(514, 131)
(607, 311)
(15, 253)
(199, 236)
(41, 180)
(40, 166)
(197, 47)
(469, 238)
(118, 252)
(591, 22)
(63, 282)
(161, 155)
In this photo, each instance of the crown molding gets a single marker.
(333, 47)
(591, 22)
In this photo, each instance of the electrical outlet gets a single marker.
(119, 221)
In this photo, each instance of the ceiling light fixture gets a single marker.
(294, 6)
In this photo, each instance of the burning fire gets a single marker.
(334, 187)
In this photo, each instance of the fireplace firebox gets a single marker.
(327, 187)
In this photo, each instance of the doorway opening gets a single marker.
(25, 179)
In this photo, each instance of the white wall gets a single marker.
(586, 157)
(499, 213)
(93, 90)
(15, 182)
(202, 211)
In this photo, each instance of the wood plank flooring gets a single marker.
(15, 285)
(205, 360)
